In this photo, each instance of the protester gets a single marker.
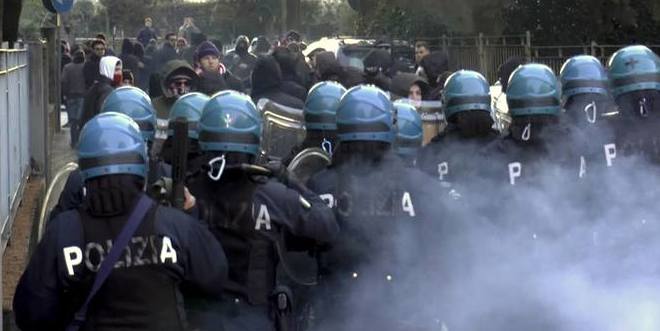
(73, 89)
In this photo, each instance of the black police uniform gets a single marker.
(250, 216)
(451, 158)
(168, 249)
(380, 215)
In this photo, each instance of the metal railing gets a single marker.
(14, 132)
(485, 53)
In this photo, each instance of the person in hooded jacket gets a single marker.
(110, 69)
(267, 83)
(239, 61)
(434, 66)
(292, 83)
(128, 59)
(213, 76)
(144, 67)
(167, 251)
(376, 68)
(260, 46)
(178, 79)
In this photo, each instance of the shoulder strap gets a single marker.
(134, 220)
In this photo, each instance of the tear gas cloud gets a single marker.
(560, 253)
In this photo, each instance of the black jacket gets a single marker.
(142, 292)
(211, 82)
(95, 97)
(165, 54)
(132, 63)
(267, 83)
(91, 70)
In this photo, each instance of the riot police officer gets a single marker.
(320, 113)
(590, 108)
(409, 133)
(533, 97)
(450, 156)
(250, 213)
(118, 260)
(371, 192)
(136, 104)
(635, 77)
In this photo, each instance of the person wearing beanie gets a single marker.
(267, 84)
(213, 76)
(189, 53)
(110, 76)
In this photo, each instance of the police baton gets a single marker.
(179, 161)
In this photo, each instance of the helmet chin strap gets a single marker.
(527, 132)
(326, 145)
(591, 110)
(216, 172)
(643, 111)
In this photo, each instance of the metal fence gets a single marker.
(14, 131)
(481, 52)
(486, 53)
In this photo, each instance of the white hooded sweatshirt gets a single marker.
(107, 66)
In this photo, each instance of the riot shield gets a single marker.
(308, 162)
(283, 129)
(53, 194)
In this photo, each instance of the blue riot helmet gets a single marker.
(365, 113)
(634, 73)
(409, 133)
(230, 122)
(534, 98)
(466, 90)
(321, 106)
(585, 89)
(533, 90)
(583, 74)
(133, 102)
(111, 143)
(189, 106)
(634, 68)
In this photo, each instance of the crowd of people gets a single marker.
(383, 225)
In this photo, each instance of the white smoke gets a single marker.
(562, 253)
